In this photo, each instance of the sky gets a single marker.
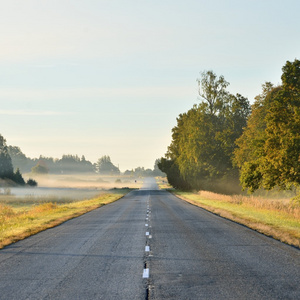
(109, 77)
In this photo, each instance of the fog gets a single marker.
(73, 186)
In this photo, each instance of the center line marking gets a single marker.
(146, 273)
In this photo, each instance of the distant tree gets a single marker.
(18, 178)
(40, 168)
(156, 170)
(73, 164)
(86, 166)
(31, 182)
(129, 173)
(19, 159)
(106, 167)
(6, 167)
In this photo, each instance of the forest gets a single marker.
(224, 144)
(13, 162)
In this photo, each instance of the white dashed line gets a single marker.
(146, 273)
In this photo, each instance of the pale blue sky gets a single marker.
(110, 77)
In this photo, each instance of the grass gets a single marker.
(23, 217)
(278, 218)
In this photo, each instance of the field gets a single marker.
(26, 211)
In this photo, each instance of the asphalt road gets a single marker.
(149, 245)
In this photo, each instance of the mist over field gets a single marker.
(84, 181)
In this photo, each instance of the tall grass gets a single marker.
(286, 205)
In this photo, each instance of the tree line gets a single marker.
(223, 144)
(13, 162)
(7, 172)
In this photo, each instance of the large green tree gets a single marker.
(201, 151)
(268, 152)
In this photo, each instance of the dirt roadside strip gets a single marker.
(286, 235)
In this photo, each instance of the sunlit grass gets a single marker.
(22, 217)
(278, 218)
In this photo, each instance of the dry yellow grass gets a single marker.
(18, 223)
(278, 218)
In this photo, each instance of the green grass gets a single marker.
(277, 218)
(22, 217)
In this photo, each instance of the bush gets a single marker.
(31, 182)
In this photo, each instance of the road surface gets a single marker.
(149, 245)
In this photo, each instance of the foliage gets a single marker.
(142, 172)
(40, 168)
(68, 163)
(31, 182)
(18, 178)
(6, 167)
(156, 171)
(104, 166)
(268, 152)
(73, 164)
(19, 159)
(202, 144)
(174, 177)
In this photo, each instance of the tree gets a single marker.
(6, 167)
(200, 154)
(19, 159)
(174, 177)
(18, 178)
(282, 160)
(106, 167)
(31, 182)
(268, 152)
(73, 164)
(156, 170)
(212, 90)
(40, 168)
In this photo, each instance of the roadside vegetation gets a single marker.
(21, 217)
(225, 145)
